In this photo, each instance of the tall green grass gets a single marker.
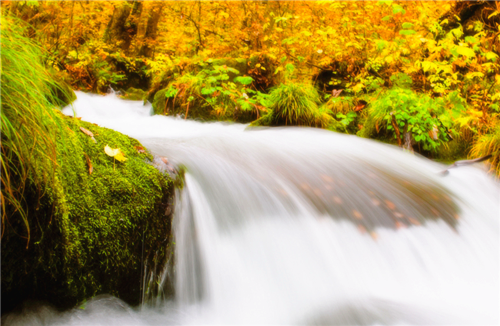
(28, 95)
(489, 144)
(296, 104)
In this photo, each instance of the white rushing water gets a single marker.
(305, 226)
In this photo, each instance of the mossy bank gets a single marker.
(91, 229)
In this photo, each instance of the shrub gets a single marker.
(400, 110)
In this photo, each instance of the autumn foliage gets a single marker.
(432, 65)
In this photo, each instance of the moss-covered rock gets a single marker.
(134, 94)
(91, 230)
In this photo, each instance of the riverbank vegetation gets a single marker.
(427, 71)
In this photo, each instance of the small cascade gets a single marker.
(306, 226)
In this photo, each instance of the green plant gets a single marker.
(402, 110)
(211, 93)
(295, 104)
(489, 144)
(28, 120)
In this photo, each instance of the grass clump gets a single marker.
(28, 120)
(295, 104)
(489, 144)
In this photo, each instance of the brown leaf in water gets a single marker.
(374, 235)
(357, 214)
(327, 178)
(398, 215)
(413, 221)
(390, 204)
(336, 199)
(361, 228)
(88, 133)
(164, 160)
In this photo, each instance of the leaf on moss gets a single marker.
(88, 133)
(115, 152)
(89, 163)
(140, 149)
(120, 157)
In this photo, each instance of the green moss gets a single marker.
(88, 229)
(369, 129)
(134, 94)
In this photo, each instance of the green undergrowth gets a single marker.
(211, 93)
(88, 228)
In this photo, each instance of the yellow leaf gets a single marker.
(120, 157)
(111, 151)
(116, 153)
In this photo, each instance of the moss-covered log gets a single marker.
(93, 228)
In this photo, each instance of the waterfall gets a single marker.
(306, 226)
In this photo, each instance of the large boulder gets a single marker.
(91, 229)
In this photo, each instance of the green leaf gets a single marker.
(407, 25)
(234, 71)
(407, 32)
(207, 91)
(470, 39)
(244, 80)
(398, 9)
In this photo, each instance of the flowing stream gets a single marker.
(305, 226)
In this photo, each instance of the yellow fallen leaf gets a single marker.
(120, 157)
(111, 151)
(115, 152)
